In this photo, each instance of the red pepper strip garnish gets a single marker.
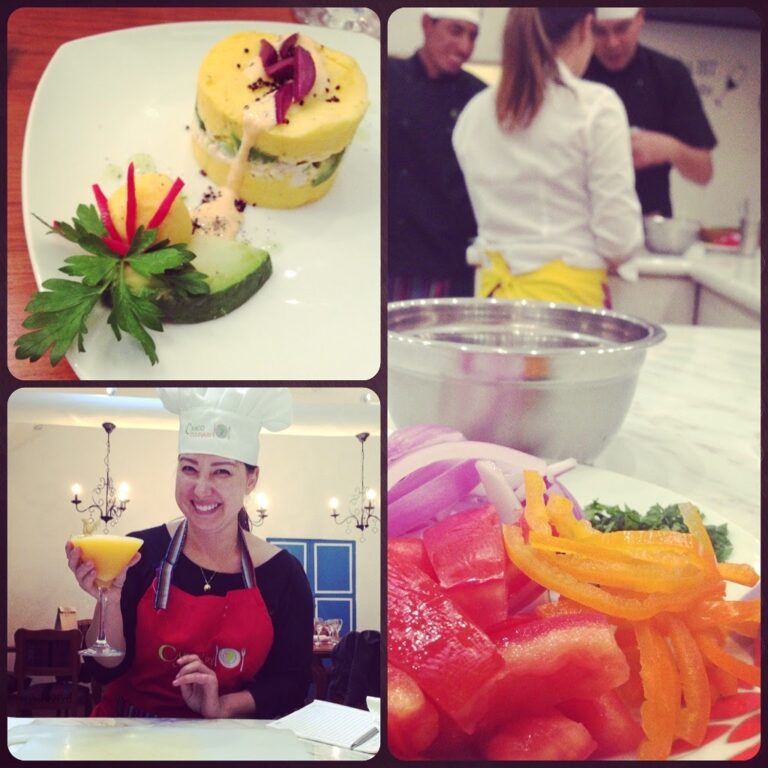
(130, 211)
(117, 245)
(162, 211)
(106, 219)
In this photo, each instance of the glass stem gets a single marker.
(102, 638)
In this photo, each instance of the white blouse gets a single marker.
(562, 188)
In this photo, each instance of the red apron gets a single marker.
(231, 634)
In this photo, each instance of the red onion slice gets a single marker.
(407, 439)
(267, 54)
(304, 76)
(287, 46)
(417, 478)
(510, 461)
(283, 100)
(281, 70)
(413, 510)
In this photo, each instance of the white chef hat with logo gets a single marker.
(472, 15)
(226, 421)
(615, 14)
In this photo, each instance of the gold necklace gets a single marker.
(207, 587)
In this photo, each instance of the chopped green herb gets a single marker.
(605, 517)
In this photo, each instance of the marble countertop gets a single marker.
(694, 424)
(732, 275)
(107, 739)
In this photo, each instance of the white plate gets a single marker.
(104, 99)
(590, 483)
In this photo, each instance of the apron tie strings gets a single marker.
(172, 556)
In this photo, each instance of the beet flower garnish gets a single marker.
(292, 68)
(113, 239)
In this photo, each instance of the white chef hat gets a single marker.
(615, 14)
(472, 15)
(226, 421)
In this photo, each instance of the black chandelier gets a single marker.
(108, 502)
(361, 507)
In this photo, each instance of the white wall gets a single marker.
(712, 54)
(298, 474)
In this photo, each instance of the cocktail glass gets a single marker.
(110, 554)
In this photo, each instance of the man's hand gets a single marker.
(651, 148)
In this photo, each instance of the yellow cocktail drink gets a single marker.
(110, 554)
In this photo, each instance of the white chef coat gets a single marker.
(562, 188)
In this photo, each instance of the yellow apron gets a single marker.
(555, 281)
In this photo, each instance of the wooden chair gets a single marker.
(49, 653)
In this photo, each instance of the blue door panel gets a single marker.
(330, 567)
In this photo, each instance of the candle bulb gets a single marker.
(261, 500)
(122, 492)
(76, 490)
(370, 494)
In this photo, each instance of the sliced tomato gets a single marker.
(548, 661)
(546, 736)
(413, 549)
(609, 722)
(467, 553)
(449, 657)
(412, 720)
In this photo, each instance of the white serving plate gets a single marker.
(105, 99)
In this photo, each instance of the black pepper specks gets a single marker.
(240, 205)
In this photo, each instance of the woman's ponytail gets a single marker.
(528, 63)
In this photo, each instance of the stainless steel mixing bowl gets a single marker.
(554, 380)
(672, 236)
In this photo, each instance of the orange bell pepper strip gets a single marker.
(598, 546)
(560, 512)
(552, 577)
(715, 654)
(643, 578)
(721, 683)
(535, 512)
(741, 616)
(739, 573)
(695, 525)
(661, 685)
(694, 716)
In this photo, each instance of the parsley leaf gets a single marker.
(58, 315)
(131, 313)
(605, 517)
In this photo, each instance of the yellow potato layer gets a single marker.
(256, 189)
(323, 125)
(151, 189)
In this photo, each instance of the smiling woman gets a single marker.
(213, 621)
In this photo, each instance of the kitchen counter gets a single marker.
(694, 424)
(107, 739)
(732, 275)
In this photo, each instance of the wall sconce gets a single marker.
(113, 503)
(261, 510)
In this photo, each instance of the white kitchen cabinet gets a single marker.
(659, 299)
(715, 309)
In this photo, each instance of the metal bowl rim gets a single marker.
(656, 333)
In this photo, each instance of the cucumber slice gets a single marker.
(235, 272)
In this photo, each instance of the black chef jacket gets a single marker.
(659, 95)
(430, 216)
